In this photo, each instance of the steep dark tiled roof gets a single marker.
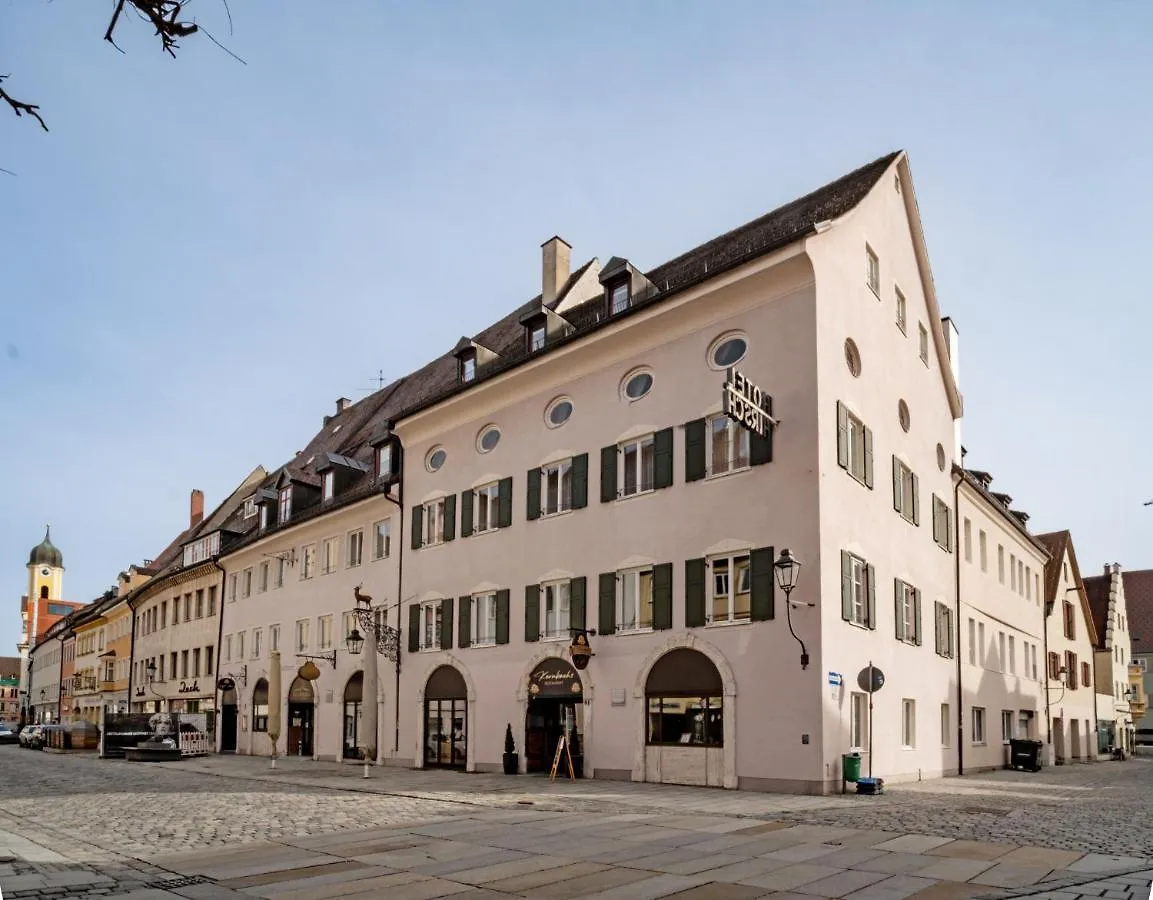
(1097, 590)
(1139, 603)
(9, 666)
(977, 484)
(1060, 543)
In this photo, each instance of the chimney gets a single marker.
(342, 403)
(196, 509)
(556, 266)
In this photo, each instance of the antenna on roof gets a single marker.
(379, 383)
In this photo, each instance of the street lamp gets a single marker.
(787, 570)
(151, 669)
(354, 642)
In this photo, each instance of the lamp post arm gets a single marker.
(789, 621)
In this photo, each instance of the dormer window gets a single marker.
(383, 462)
(285, 503)
(264, 516)
(536, 337)
(468, 368)
(328, 485)
(618, 292)
(250, 507)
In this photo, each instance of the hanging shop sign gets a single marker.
(226, 684)
(580, 651)
(309, 671)
(746, 404)
(555, 678)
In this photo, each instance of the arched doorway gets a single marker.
(353, 697)
(446, 719)
(260, 707)
(300, 713)
(229, 709)
(684, 720)
(555, 708)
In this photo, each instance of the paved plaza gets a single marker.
(229, 827)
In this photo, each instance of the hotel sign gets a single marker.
(746, 404)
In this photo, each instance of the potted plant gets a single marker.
(510, 757)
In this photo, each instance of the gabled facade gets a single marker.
(45, 666)
(1111, 659)
(1005, 678)
(1070, 640)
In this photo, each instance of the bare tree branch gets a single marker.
(20, 108)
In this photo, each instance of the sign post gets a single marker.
(870, 680)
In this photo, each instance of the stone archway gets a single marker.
(551, 651)
(445, 659)
(729, 710)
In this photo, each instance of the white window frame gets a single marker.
(383, 462)
(858, 721)
(468, 369)
(967, 528)
(860, 588)
(555, 610)
(908, 498)
(923, 334)
(301, 634)
(556, 488)
(233, 582)
(430, 617)
(733, 575)
(246, 589)
(249, 507)
(274, 638)
(873, 270)
(482, 524)
(736, 446)
(635, 578)
(908, 724)
(239, 647)
(902, 311)
(284, 505)
(381, 539)
(908, 613)
(1008, 717)
(354, 555)
(324, 632)
(979, 724)
(638, 446)
(331, 558)
(855, 446)
(327, 486)
(257, 640)
(619, 297)
(946, 727)
(307, 561)
(983, 547)
(280, 564)
(537, 336)
(483, 613)
(262, 581)
(432, 527)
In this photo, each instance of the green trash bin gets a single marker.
(851, 767)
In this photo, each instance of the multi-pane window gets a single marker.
(280, 564)
(383, 461)
(327, 485)
(468, 369)
(324, 633)
(556, 488)
(968, 541)
(262, 581)
(908, 724)
(905, 491)
(635, 599)
(943, 619)
(308, 561)
(872, 271)
(946, 725)
(381, 538)
(728, 446)
(257, 641)
(536, 338)
(942, 524)
(923, 333)
(485, 507)
(227, 648)
(285, 509)
(856, 590)
(331, 550)
(556, 609)
(902, 311)
(433, 530)
(854, 446)
(430, 618)
(858, 720)
(731, 589)
(982, 542)
(686, 721)
(245, 582)
(302, 635)
(274, 638)
(1006, 725)
(483, 620)
(635, 474)
(620, 297)
(978, 725)
(905, 612)
(355, 548)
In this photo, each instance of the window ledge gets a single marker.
(555, 515)
(862, 625)
(876, 291)
(627, 631)
(480, 645)
(906, 747)
(475, 533)
(716, 476)
(903, 329)
(728, 623)
(428, 650)
(379, 558)
(350, 565)
(433, 546)
(860, 479)
(979, 744)
(553, 638)
(624, 497)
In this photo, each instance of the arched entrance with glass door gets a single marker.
(300, 718)
(685, 720)
(259, 725)
(555, 709)
(353, 698)
(446, 719)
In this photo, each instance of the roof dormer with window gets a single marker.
(624, 286)
(471, 356)
(542, 326)
(386, 456)
(337, 474)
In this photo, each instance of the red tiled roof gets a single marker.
(1097, 590)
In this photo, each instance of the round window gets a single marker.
(728, 351)
(903, 414)
(558, 412)
(941, 461)
(852, 357)
(638, 385)
(436, 458)
(488, 439)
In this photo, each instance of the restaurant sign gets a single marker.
(746, 404)
(554, 678)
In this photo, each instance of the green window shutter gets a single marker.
(608, 474)
(917, 616)
(662, 596)
(898, 610)
(417, 525)
(761, 448)
(466, 498)
(916, 500)
(896, 484)
(695, 450)
(414, 628)
(869, 458)
(607, 603)
(464, 630)
(580, 481)
(871, 576)
(694, 592)
(532, 494)
(504, 503)
(577, 590)
(532, 612)
(663, 458)
(761, 601)
(446, 623)
(450, 517)
(502, 616)
(846, 586)
(842, 436)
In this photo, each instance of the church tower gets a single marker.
(45, 572)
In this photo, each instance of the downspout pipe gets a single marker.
(399, 501)
(1048, 611)
(219, 640)
(131, 655)
(958, 477)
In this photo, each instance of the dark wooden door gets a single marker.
(228, 729)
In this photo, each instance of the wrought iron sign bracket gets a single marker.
(329, 658)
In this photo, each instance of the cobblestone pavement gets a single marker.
(228, 827)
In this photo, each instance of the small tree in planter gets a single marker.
(510, 757)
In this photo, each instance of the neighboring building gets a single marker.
(1111, 659)
(44, 666)
(1070, 640)
(177, 614)
(68, 709)
(88, 626)
(10, 668)
(115, 660)
(1003, 655)
(1139, 599)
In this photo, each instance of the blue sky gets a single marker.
(201, 256)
